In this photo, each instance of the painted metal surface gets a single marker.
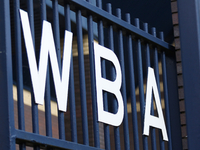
(136, 50)
(7, 133)
(189, 25)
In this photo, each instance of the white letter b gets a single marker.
(109, 86)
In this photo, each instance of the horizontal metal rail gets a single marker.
(43, 141)
(111, 19)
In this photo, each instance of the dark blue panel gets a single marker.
(190, 51)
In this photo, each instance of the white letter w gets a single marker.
(38, 76)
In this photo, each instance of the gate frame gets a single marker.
(9, 134)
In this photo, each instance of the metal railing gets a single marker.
(136, 49)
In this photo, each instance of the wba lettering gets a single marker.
(47, 50)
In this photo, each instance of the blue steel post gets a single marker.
(132, 88)
(7, 132)
(35, 121)
(111, 46)
(148, 64)
(189, 25)
(156, 69)
(71, 82)
(93, 81)
(19, 70)
(82, 77)
(141, 85)
(56, 31)
(101, 42)
(165, 86)
(123, 88)
(47, 87)
(19, 66)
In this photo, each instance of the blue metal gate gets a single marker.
(136, 48)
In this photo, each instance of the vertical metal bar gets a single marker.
(19, 73)
(123, 88)
(19, 65)
(31, 18)
(34, 105)
(47, 87)
(148, 64)
(43, 10)
(93, 81)
(82, 78)
(56, 30)
(141, 85)
(7, 132)
(34, 115)
(61, 121)
(132, 89)
(71, 82)
(99, 3)
(165, 86)
(156, 68)
(111, 46)
(101, 42)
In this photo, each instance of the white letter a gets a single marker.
(149, 120)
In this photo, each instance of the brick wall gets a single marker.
(41, 115)
(179, 71)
